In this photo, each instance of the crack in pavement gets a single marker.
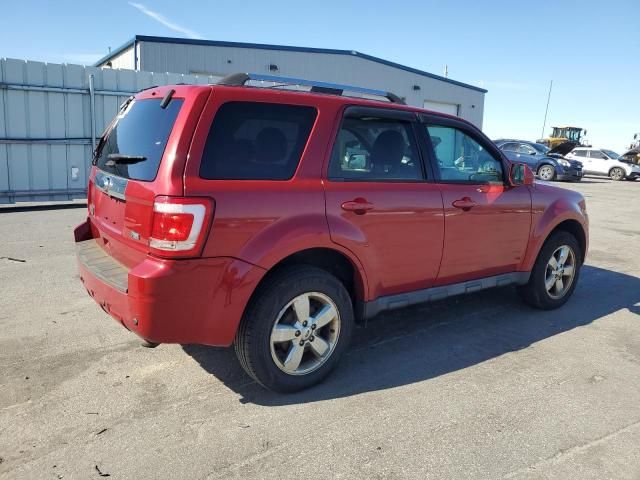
(562, 454)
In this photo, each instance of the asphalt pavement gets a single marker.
(479, 386)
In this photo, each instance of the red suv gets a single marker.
(275, 217)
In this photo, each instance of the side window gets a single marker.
(509, 147)
(597, 154)
(526, 149)
(256, 141)
(580, 153)
(461, 159)
(374, 149)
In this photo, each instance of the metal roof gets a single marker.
(286, 48)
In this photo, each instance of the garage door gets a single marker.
(450, 108)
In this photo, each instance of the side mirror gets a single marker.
(520, 174)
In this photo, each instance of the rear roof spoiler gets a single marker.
(241, 79)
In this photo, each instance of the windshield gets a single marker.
(569, 133)
(539, 147)
(141, 130)
(612, 154)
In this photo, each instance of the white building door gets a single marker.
(450, 108)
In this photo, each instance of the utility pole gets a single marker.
(544, 124)
(446, 71)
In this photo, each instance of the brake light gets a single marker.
(179, 225)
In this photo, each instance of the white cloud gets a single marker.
(165, 21)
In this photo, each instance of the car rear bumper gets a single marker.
(168, 301)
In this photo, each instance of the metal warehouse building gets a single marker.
(218, 59)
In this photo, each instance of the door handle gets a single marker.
(359, 206)
(465, 204)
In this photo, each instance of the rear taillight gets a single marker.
(180, 226)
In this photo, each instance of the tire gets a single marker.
(616, 174)
(547, 172)
(264, 356)
(535, 292)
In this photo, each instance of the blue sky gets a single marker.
(591, 49)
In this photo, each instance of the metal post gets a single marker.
(544, 124)
(92, 107)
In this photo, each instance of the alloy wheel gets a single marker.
(546, 172)
(617, 174)
(560, 272)
(305, 333)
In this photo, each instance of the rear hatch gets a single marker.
(141, 157)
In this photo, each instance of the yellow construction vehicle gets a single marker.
(565, 134)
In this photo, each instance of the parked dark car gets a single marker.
(547, 164)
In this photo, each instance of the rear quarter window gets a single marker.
(256, 141)
(141, 130)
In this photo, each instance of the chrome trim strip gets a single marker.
(111, 185)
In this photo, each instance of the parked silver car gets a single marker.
(599, 161)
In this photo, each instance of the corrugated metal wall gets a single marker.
(45, 123)
(328, 67)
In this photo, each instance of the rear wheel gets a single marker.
(547, 172)
(555, 273)
(617, 174)
(295, 329)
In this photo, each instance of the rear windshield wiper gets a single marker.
(115, 158)
(96, 152)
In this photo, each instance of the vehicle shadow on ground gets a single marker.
(594, 180)
(419, 343)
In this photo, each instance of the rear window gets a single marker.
(139, 138)
(256, 141)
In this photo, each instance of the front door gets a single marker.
(380, 203)
(487, 221)
(598, 162)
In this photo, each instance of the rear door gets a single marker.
(487, 221)
(140, 155)
(382, 203)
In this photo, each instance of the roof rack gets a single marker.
(240, 79)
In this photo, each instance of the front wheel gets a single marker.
(295, 329)
(555, 273)
(547, 172)
(616, 174)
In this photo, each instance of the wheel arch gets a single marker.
(574, 228)
(566, 213)
(571, 225)
(340, 264)
(544, 163)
